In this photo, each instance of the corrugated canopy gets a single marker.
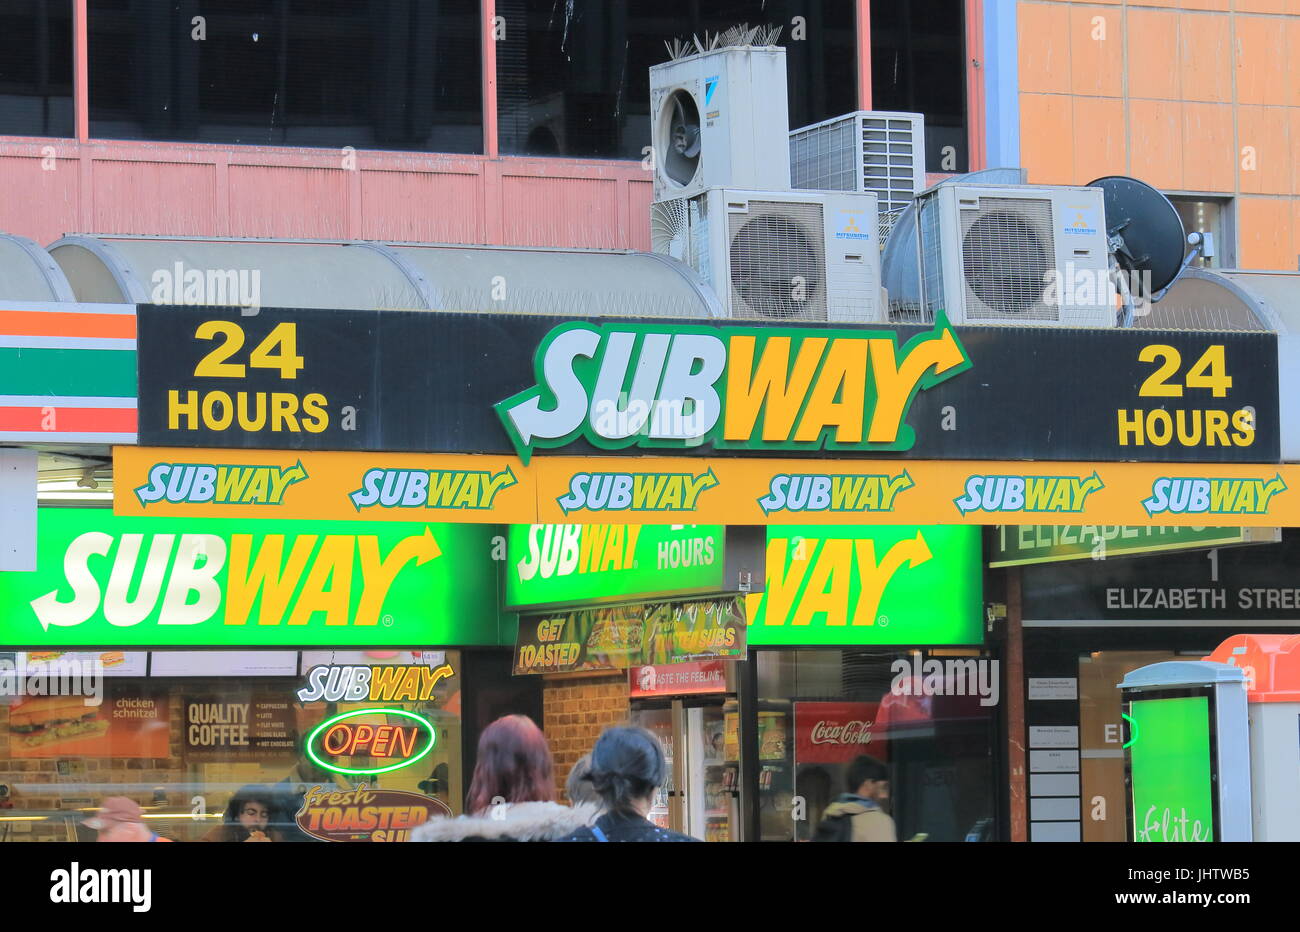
(381, 276)
(27, 273)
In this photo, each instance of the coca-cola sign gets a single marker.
(836, 732)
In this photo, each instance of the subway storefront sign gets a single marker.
(897, 585)
(165, 582)
(571, 564)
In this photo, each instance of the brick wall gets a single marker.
(575, 711)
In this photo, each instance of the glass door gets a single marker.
(713, 771)
(661, 721)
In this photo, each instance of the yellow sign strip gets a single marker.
(554, 490)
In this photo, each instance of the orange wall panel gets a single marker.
(1209, 160)
(1263, 73)
(1262, 6)
(1205, 57)
(1047, 138)
(153, 197)
(1155, 134)
(38, 203)
(1096, 64)
(1098, 138)
(1266, 236)
(1293, 57)
(1044, 47)
(1153, 54)
(288, 201)
(1264, 130)
(422, 207)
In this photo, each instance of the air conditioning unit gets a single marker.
(877, 151)
(1021, 254)
(778, 255)
(720, 119)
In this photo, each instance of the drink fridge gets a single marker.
(701, 740)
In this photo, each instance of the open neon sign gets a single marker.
(343, 738)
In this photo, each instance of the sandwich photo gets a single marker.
(40, 722)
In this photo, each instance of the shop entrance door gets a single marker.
(700, 738)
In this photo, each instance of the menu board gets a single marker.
(218, 729)
(225, 663)
(111, 662)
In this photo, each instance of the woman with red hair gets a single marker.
(512, 794)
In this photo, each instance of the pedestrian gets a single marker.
(250, 816)
(857, 815)
(627, 767)
(578, 786)
(512, 793)
(121, 819)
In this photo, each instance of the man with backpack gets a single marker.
(856, 815)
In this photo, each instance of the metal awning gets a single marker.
(384, 276)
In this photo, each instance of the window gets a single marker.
(918, 65)
(219, 745)
(928, 717)
(573, 78)
(1212, 215)
(36, 68)
(398, 75)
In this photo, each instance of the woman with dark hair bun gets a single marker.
(627, 766)
(511, 795)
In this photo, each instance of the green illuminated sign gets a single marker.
(1169, 759)
(165, 582)
(569, 564)
(851, 585)
(1055, 543)
(384, 741)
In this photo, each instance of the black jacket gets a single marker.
(620, 827)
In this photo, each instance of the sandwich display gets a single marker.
(45, 721)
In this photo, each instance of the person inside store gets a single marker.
(512, 793)
(250, 816)
(121, 819)
(627, 767)
(857, 815)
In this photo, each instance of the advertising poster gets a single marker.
(111, 662)
(678, 679)
(131, 721)
(837, 732)
(1169, 758)
(366, 814)
(617, 638)
(220, 730)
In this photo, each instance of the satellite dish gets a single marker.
(1146, 232)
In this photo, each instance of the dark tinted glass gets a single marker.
(573, 75)
(384, 74)
(36, 68)
(918, 65)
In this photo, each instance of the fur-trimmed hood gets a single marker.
(510, 822)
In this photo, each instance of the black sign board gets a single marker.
(1237, 584)
(423, 381)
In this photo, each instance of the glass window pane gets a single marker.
(573, 78)
(918, 65)
(36, 68)
(398, 75)
(921, 714)
(215, 751)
